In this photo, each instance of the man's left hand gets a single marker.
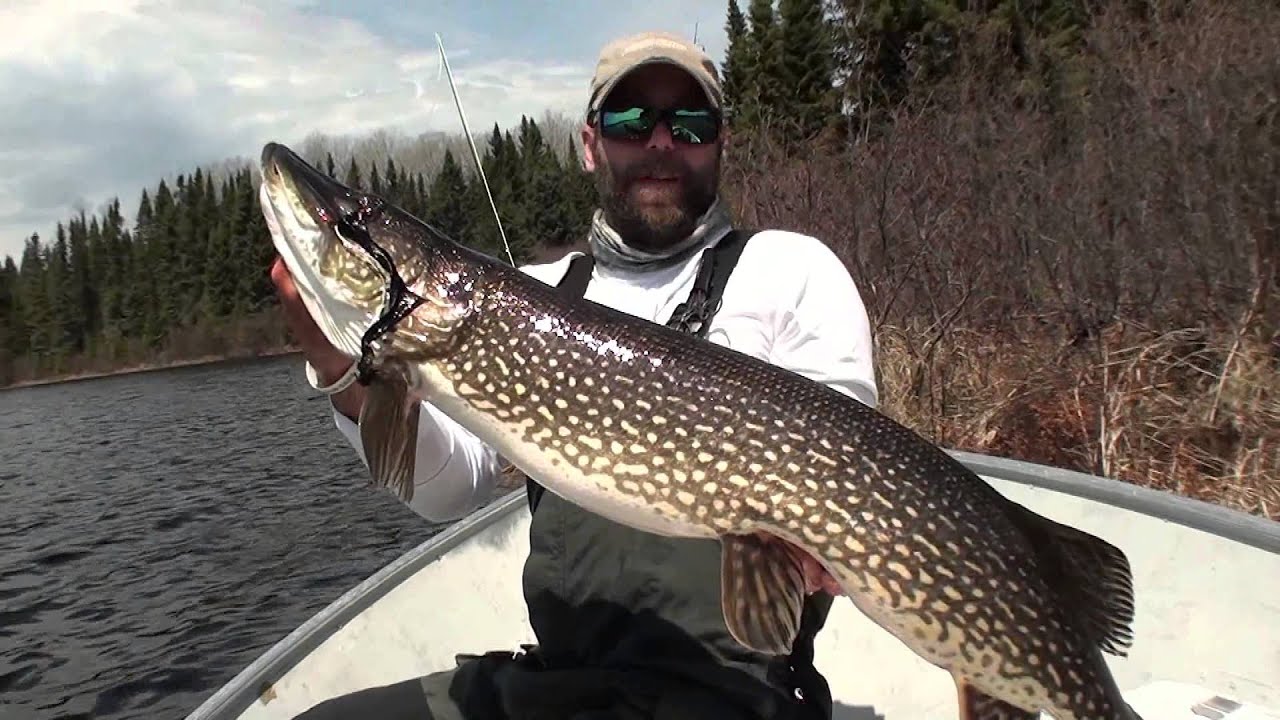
(816, 576)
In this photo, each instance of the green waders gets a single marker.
(629, 623)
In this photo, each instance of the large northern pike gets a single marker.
(676, 435)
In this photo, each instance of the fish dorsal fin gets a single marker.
(1092, 574)
(762, 593)
(389, 432)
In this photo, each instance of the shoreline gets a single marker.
(151, 367)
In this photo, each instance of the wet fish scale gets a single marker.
(671, 434)
(707, 442)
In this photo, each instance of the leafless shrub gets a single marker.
(1089, 282)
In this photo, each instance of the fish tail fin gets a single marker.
(977, 705)
(1090, 574)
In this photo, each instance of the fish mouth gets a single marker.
(314, 200)
(338, 281)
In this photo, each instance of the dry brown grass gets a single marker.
(1091, 284)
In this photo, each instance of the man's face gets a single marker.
(653, 191)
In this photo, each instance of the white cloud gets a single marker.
(101, 99)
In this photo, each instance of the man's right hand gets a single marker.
(329, 362)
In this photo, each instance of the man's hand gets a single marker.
(816, 576)
(328, 361)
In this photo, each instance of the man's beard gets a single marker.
(654, 228)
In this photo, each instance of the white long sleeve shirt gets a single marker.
(789, 301)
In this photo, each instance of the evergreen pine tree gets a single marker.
(805, 68)
(10, 317)
(766, 87)
(735, 70)
(445, 208)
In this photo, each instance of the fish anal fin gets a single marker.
(762, 592)
(1090, 573)
(389, 432)
(977, 705)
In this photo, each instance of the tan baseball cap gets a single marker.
(625, 54)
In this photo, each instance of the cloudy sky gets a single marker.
(99, 98)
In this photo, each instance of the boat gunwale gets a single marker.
(1224, 522)
(247, 686)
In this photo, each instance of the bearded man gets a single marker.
(628, 623)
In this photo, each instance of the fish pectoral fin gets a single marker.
(389, 432)
(1090, 573)
(977, 705)
(762, 592)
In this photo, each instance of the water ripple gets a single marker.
(159, 531)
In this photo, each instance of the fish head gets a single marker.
(362, 263)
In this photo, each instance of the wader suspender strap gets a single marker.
(694, 316)
(575, 280)
(691, 316)
(573, 285)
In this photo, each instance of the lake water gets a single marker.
(158, 531)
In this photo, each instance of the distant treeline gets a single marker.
(1063, 216)
(189, 277)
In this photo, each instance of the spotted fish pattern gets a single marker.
(676, 435)
(686, 437)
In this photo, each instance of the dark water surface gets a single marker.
(158, 531)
